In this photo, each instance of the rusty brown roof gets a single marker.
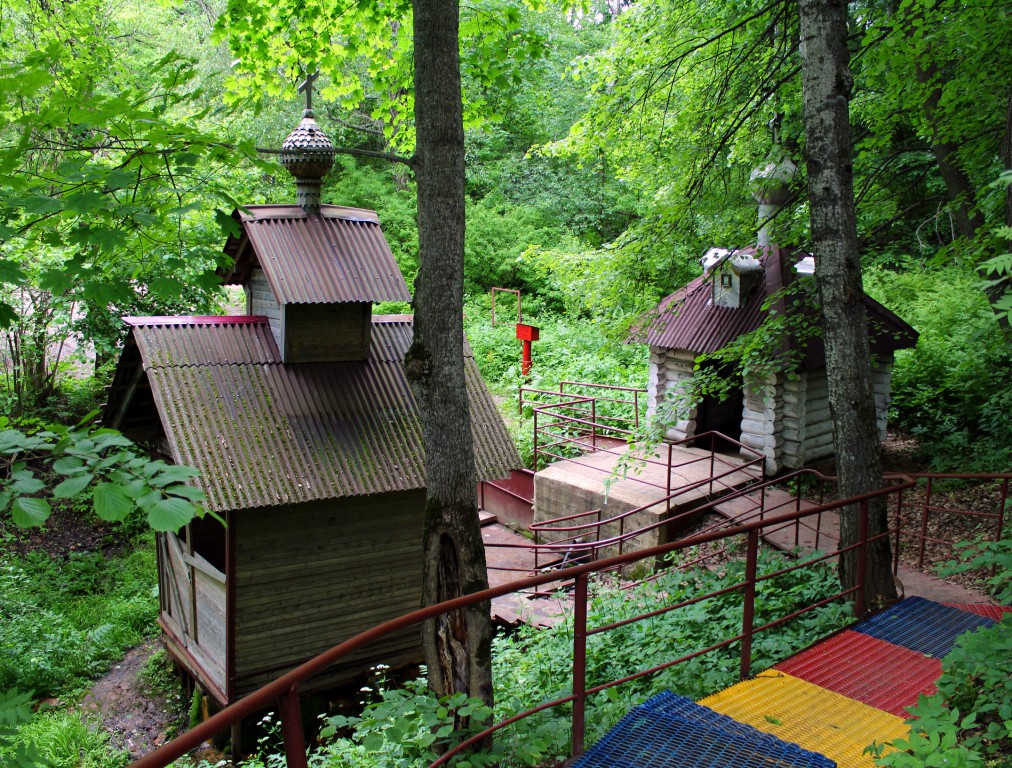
(333, 255)
(264, 433)
(688, 320)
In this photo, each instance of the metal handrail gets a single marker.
(285, 690)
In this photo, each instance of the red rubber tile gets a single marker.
(872, 671)
(994, 612)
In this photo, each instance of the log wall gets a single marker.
(788, 420)
(670, 373)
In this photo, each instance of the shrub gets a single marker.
(64, 740)
(954, 390)
(69, 620)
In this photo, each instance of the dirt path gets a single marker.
(139, 716)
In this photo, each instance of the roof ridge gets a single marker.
(194, 320)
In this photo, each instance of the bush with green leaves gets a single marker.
(68, 620)
(99, 464)
(568, 349)
(408, 725)
(61, 739)
(954, 390)
(994, 557)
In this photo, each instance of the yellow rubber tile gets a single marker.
(812, 717)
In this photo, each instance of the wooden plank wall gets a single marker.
(313, 575)
(192, 594)
(260, 300)
(322, 333)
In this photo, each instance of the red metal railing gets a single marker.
(583, 537)
(618, 417)
(285, 690)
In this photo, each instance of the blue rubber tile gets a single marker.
(671, 705)
(922, 625)
(645, 739)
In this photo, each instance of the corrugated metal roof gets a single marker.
(332, 255)
(687, 319)
(264, 433)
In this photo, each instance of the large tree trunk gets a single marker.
(826, 83)
(457, 646)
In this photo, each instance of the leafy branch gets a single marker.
(95, 464)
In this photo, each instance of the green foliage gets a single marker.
(15, 711)
(968, 720)
(97, 464)
(954, 390)
(995, 555)
(499, 239)
(678, 106)
(108, 181)
(63, 739)
(406, 726)
(366, 56)
(568, 349)
(67, 620)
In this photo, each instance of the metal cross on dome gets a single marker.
(307, 88)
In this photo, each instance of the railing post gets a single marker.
(899, 530)
(860, 598)
(535, 461)
(593, 423)
(748, 618)
(924, 523)
(713, 450)
(1001, 519)
(579, 663)
(667, 490)
(291, 729)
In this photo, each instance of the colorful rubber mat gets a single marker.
(819, 708)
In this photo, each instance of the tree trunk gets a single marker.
(958, 189)
(1006, 156)
(457, 646)
(826, 83)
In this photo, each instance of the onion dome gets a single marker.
(771, 181)
(308, 155)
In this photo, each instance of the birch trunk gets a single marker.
(457, 646)
(826, 82)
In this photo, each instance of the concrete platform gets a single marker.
(616, 481)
